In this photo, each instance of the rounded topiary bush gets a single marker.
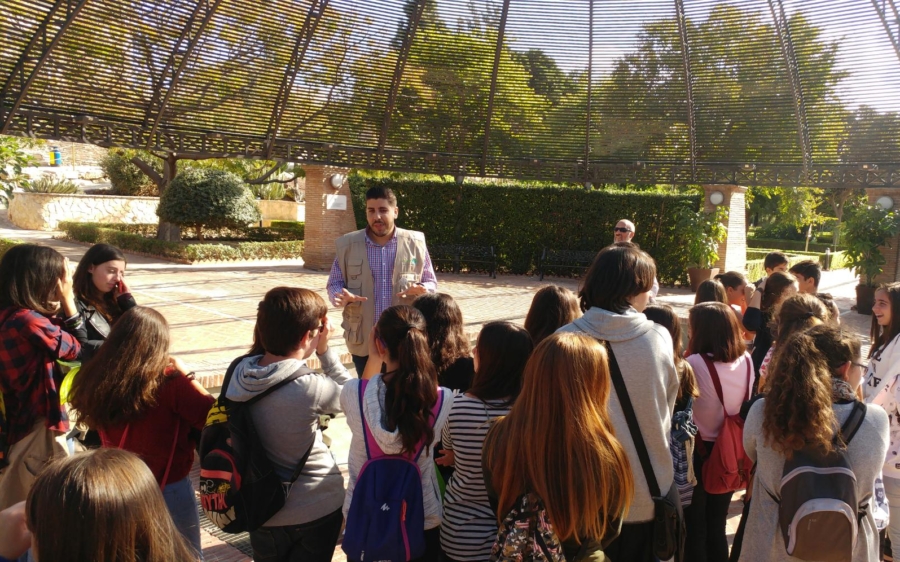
(198, 198)
(125, 177)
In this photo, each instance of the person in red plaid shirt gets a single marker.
(35, 285)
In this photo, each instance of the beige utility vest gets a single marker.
(359, 317)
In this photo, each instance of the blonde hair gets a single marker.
(560, 425)
(102, 506)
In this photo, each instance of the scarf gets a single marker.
(842, 391)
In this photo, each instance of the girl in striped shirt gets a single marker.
(469, 526)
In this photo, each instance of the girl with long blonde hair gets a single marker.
(558, 443)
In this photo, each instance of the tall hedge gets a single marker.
(520, 221)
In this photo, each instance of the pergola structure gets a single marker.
(747, 92)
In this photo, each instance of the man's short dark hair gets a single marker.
(284, 317)
(774, 259)
(809, 269)
(619, 272)
(379, 192)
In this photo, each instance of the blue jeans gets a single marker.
(182, 506)
(309, 542)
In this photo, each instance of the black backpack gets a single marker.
(819, 511)
(239, 489)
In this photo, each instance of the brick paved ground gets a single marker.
(211, 309)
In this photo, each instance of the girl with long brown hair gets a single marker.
(810, 394)
(761, 310)
(795, 314)
(143, 401)
(447, 339)
(397, 406)
(551, 308)
(558, 443)
(100, 506)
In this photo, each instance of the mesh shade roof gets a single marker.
(772, 92)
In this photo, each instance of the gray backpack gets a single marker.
(819, 511)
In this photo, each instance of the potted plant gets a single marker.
(866, 230)
(702, 233)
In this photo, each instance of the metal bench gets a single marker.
(454, 257)
(555, 260)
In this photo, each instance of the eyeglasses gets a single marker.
(620, 229)
(860, 365)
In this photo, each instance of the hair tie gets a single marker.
(808, 315)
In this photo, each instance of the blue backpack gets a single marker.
(386, 520)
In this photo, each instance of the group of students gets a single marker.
(577, 422)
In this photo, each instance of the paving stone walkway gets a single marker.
(211, 310)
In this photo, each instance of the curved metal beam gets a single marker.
(70, 13)
(893, 36)
(688, 83)
(782, 28)
(414, 18)
(590, 80)
(501, 31)
(310, 24)
(158, 106)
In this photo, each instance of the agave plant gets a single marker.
(50, 183)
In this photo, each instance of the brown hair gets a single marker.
(809, 269)
(580, 470)
(122, 380)
(619, 272)
(551, 308)
(797, 312)
(711, 291)
(445, 328)
(412, 390)
(29, 278)
(102, 506)
(503, 349)
(776, 284)
(731, 279)
(665, 316)
(836, 346)
(715, 330)
(881, 336)
(798, 410)
(285, 316)
(83, 283)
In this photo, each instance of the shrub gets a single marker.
(520, 221)
(93, 233)
(788, 245)
(250, 233)
(50, 184)
(6, 245)
(297, 228)
(207, 198)
(125, 177)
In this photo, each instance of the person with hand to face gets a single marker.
(101, 293)
(624, 232)
(375, 268)
(35, 286)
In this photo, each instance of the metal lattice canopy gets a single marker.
(757, 92)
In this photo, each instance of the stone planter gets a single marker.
(865, 299)
(698, 275)
(44, 211)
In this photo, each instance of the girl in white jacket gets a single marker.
(882, 387)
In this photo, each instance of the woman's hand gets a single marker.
(121, 288)
(324, 333)
(65, 292)
(177, 365)
(447, 459)
(15, 538)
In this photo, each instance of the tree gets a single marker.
(13, 159)
(207, 198)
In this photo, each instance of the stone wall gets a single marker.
(44, 211)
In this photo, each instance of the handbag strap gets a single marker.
(633, 426)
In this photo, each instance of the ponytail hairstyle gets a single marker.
(665, 316)
(776, 285)
(412, 390)
(881, 336)
(837, 346)
(795, 314)
(731, 279)
(798, 410)
(711, 291)
(558, 441)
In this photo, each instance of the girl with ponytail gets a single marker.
(397, 406)
(809, 396)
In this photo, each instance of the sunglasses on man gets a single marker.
(620, 229)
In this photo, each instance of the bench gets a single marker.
(455, 257)
(555, 260)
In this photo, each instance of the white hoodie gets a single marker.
(882, 387)
(390, 442)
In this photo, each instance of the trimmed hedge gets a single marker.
(283, 233)
(519, 221)
(838, 259)
(7, 244)
(94, 234)
(297, 228)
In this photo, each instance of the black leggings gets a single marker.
(705, 521)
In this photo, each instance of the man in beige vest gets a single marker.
(376, 268)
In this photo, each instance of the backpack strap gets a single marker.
(371, 444)
(435, 412)
(853, 423)
(633, 426)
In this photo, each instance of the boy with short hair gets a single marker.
(775, 261)
(808, 274)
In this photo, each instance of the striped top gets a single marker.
(470, 526)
